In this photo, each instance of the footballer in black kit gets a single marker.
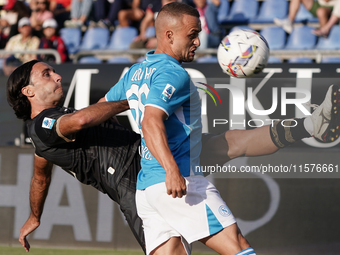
(104, 156)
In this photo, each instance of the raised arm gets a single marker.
(39, 188)
(156, 140)
(90, 116)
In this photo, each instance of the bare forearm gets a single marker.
(216, 2)
(156, 141)
(147, 21)
(98, 113)
(91, 116)
(39, 185)
(39, 188)
(38, 194)
(135, 3)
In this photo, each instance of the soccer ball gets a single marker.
(243, 53)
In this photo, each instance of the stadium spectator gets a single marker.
(51, 40)
(210, 35)
(13, 12)
(40, 13)
(327, 11)
(133, 16)
(327, 20)
(8, 18)
(142, 41)
(106, 11)
(61, 10)
(80, 11)
(22, 41)
(211, 32)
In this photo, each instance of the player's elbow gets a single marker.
(103, 99)
(146, 124)
(83, 121)
(143, 123)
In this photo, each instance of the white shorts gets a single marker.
(198, 214)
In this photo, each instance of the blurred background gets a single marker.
(91, 43)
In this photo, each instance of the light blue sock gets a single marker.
(248, 251)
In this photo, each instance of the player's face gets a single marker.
(186, 39)
(46, 84)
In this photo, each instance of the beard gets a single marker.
(61, 101)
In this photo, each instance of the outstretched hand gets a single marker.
(25, 243)
(26, 229)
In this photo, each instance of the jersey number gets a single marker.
(137, 97)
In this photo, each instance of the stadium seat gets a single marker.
(95, 38)
(207, 59)
(273, 59)
(90, 60)
(300, 60)
(303, 15)
(71, 37)
(1, 63)
(332, 41)
(240, 27)
(122, 37)
(330, 60)
(271, 9)
(150, 32)
(242, 11)
(275, 36)
(119, 60)
(301, 39)
(140, 59)
(223, 11)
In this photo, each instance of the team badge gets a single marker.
(111, 170)
(224, 211)
(48, 123)
(168, 92)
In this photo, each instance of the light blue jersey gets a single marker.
(161, 82)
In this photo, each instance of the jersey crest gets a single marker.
(168, 92)
(48, 123)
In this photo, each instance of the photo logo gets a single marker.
(209, 93)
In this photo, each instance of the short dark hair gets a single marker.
(178, 9)
(18, 79)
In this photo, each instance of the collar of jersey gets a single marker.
(150, 56)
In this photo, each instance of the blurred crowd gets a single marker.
(35, 24)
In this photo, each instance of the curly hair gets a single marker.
(20, 78)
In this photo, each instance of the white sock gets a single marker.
(248, 251)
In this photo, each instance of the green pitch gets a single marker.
(41, 251)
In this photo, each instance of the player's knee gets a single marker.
(170, 247)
